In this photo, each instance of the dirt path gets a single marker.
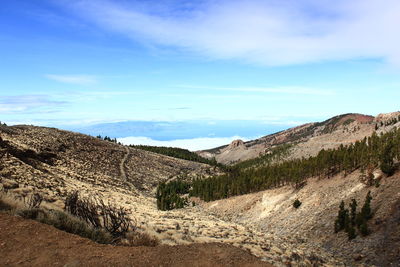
(29, 243)
(122, 165)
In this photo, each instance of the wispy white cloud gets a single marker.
(191, 144)
(73, 79)
(25, 104)
(266, 32)
(275, 90)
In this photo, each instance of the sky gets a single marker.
(272, 63)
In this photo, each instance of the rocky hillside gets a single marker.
(52, 160)
(311, 226)
(308, 139)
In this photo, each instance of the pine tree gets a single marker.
(342, 219)
(364, 228)
(387, 163)
(364, 215)
(366, 209)
(351, 232)
(353, 211)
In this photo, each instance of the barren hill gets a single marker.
(308, 139)
(64, 158)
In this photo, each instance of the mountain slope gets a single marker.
(63, 157)
(308, 139)
(312, 224)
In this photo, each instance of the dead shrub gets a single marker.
(35, 201)
(83, 208)
(115, 220)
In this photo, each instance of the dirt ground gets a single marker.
(29, 243)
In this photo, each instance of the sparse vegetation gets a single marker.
(387, 122)
(348, 121)
(274, 155)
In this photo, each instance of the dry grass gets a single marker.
(136, 239)
(8, 203)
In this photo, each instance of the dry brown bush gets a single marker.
(135, 239)
(34, 201)
(95, 212)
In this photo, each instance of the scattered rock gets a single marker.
(9, 184)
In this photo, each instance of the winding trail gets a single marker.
(122, 165)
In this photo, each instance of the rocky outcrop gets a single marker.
(383, 117)
(235, 144)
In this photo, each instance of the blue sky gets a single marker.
(274, 63)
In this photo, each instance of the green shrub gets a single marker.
(296, 203)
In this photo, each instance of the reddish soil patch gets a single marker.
(358, 117)
(29, 243)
